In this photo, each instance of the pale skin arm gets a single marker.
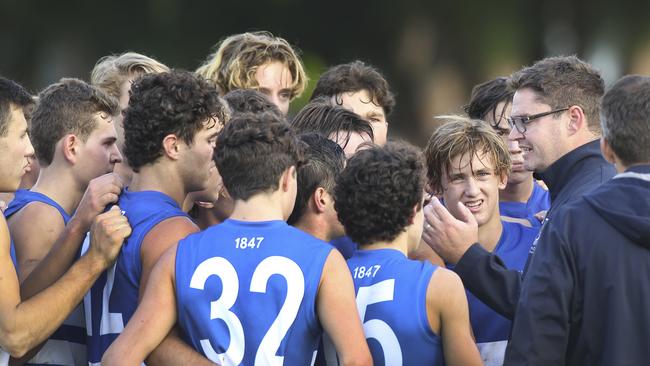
(172, 350)
(449, 317)
(23, 325)
(337, 311)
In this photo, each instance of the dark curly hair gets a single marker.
(376, 192)
(250, 100)
(11, 93)
(66, 107)
(324, 160)
(353, 77)
(485, 98)
(176, 102)
(253, 151)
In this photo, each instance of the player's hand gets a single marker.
(446, 235)
(107, 235)
(100, 192)
(541, 215)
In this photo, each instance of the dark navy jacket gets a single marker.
(586, 297)
(570, 177)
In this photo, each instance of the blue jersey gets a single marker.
(246, 292)
(114, 297)
(392, 302)
(67, 345)
(491, 329)
(539, 200)
(345, 245)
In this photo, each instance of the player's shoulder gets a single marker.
(37, 215)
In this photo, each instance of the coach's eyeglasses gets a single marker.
(520, 122)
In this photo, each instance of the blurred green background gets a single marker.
(432, 52)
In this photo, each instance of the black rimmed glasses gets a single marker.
(520, 122)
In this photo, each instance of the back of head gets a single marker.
(234, 63)
(563, 82)
(66, 107)
(625, 119)
(376, 192)
(460, 136)
(353, 77)
(324, 160)
(177, 102)
(252, 153)
(110, 72)
(486, 97)
(329, 120)
(11, 94)
(250, 101)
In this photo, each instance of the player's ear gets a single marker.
(607, 151)
(577, 120)
(319, 199)
(288, 176)
(171, 146)
(70, 147)
(503, 180)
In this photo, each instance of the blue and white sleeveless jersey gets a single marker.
(114, 297)
(246, 292)
(392, 303)
(539, 200)
(67, 345)
(345, 245)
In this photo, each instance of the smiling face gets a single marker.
(274, 81)
(15, 150)
(472, 181)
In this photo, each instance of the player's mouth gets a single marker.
(474, 206)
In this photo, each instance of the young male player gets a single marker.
(25, 324)
(413, 312)
(170, 129)
(467, 165)
(74, 137)
(252, 290)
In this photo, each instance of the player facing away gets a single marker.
(251, 290)
(413, 312)
(170, 129)
(468, 164)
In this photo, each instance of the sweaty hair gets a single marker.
(253, 150)
(66, 107)
(250, 101)
(11, 93)
(459, 136)
(324, 160)
(353, 77)
(110, 72)
(625, 119)
(377, 191)
(177, 102)
(330, 121)
(486, 97)
(563, 82)
(237, 58)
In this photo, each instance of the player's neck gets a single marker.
(490, 233)
(157, 178)
(260, 207)
(60, 186)
(313, 226)
(519, 192)
(400, 243)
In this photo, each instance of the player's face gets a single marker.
(543, 142)
(197, 163)
(122, 168)
(212, 190)
(15, 150)
(500, 125)
(99, 154)
(473, 182)
(274, 80)
(353, 143)
(365, 107)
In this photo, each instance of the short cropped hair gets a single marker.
(328, 120)
(253, 150)
(562, 82)
(459, 136)
(324, 160)
(376, 192)
(486, 97)
(237, 58)
(625, 119)
(353, 77)
(110, 72)
(11, 93)
(66, 107)
(177, 102)
(250, 101)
